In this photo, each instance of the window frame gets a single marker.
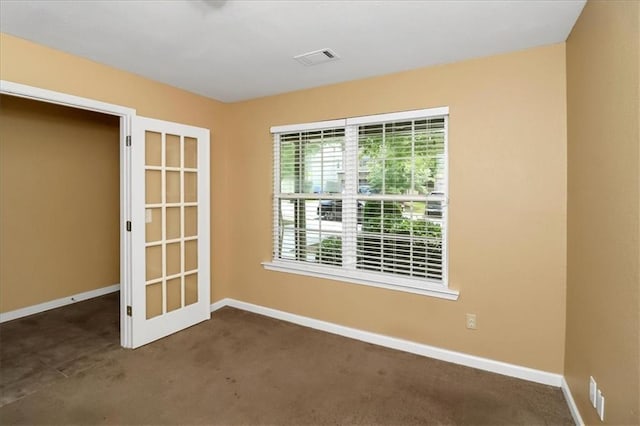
(358, 276)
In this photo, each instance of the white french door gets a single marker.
(169, 228)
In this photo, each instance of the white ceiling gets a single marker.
(236, 50)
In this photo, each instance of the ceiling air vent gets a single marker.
(317, 57)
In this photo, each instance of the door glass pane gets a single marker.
(190, 153)
(173, 259)
(173, 223)
(154, 262)
(190, 289)
(190, 187)
(172, 220)
(153, 186)
(190, 255)
(190, 221)
(154, 300)
(172, 151)
(173, 187)
(174, 294)
(153, 219)
(153, 149)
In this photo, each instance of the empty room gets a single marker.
(320, 212)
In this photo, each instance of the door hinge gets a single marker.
(128, 142)
(128, 311)
(129, 225)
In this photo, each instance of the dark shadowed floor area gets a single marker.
(66, 367)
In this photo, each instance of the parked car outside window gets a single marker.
(365, 189)
(434, 207)
(332, 210)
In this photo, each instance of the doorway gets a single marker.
(60, 202)
(81, 109)
(164, 220)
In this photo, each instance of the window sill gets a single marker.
(364, 278)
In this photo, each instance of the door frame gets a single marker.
(126, 116)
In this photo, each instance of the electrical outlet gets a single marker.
(592, 391)
(600, 405)
(472, 322)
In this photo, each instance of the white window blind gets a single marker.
(403, 163)
(364, 197)
(310, 186)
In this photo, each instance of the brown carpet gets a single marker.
(66, 367)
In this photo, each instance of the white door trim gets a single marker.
(126, 116)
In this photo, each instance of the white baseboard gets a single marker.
(485, 364)
(573, 408)
(52, 304)
(219, 304)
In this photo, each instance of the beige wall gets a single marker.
(603, 284)
(28, 63)
(507, 207)
(59, 202)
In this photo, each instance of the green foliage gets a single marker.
(386, 217)
(330, 251)
(390, 163)
(287, 161)
(420, 228)
(377, 212)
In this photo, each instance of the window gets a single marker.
(364, 200)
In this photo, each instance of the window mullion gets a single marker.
(412, 191)
(277, 241)
(445, 206)
(349, 199)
